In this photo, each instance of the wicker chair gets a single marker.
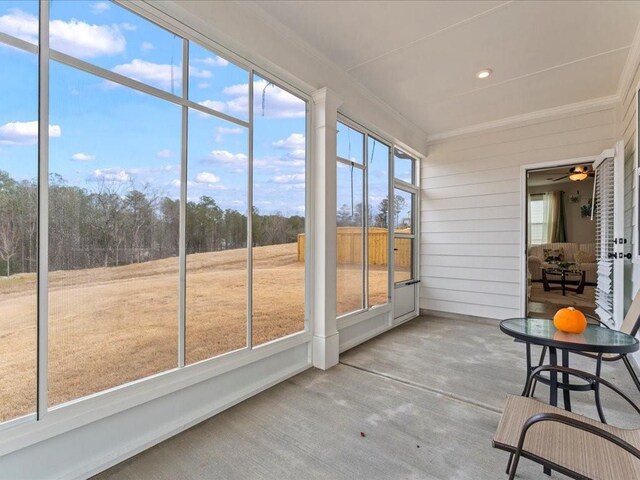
(571, 444)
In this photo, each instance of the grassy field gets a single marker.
(110, 326)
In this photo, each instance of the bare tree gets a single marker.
(8, 242)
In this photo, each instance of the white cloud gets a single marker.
(298, 154)
(295, 141)
(20, 24)
(214, 105)
(199, 72)
(207, 177)
(24, 133)
(82, 157)
(146, 46)
(289, 179)
(295, 146)
(240, 89)
(83, 40)
(80, 39)
(128, 27)
(176, 183)
(224, 156)
(160, 75)
(222, 131)
(100, 7)
(277, 102)
(278, 164)
(214, 61)
(166, 153)
(117, 175)
(203, 181)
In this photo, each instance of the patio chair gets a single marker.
(569, 443)
(630, 325)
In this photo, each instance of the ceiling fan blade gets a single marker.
(559, 178)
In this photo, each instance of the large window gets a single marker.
(173, 206)
(113, 263)
(537, 220)
(279, 177)
(362, 220)
(18, 218)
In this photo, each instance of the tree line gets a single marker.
(352, 215)
(119, 224)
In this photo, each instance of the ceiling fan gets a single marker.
(576, 174)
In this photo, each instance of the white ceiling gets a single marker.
(538, 178)
(421, 57)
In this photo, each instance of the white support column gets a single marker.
(323, 177)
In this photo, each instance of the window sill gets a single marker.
(362, 315)
(25, 431)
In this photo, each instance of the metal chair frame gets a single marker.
(518, 451)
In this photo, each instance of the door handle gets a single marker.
(620, 256)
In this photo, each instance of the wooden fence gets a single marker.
(349, 244)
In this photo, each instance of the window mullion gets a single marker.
(365, 222)
(250, 219)
(18, 43)
(350, 163)
(137, 85)
(43, 209)
(182, 235)
(390, 229)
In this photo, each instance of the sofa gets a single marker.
(536, 261)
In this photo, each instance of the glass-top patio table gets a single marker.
(595, 339)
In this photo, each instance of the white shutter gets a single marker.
(605, 249)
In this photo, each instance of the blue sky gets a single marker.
(103, 134)
(350, 145)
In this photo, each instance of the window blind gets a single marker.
(604, 213)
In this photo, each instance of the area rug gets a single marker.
(555, 297)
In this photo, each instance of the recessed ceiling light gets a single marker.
(484, 73)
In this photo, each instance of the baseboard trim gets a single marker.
(354, 342)
(179, 426)
(425, 312)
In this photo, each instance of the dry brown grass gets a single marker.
(110, 326)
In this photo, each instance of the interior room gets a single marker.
(319, 240)
(561, 240)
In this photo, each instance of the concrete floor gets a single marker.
(426, 395)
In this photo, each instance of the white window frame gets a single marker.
(47, 421)
(414, 190)
(635, 215)
(367, 133)
(531, 223)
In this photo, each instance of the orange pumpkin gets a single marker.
(570, 320)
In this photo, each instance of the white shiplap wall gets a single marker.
(470, 211)
(627, 126)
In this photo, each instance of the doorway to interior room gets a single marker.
(561, 239)
(573, 241)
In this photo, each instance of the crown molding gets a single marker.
(630, 66)
(516, 120)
